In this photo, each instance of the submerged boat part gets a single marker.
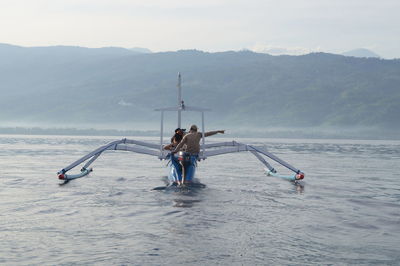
(295, 177)
(83, 173)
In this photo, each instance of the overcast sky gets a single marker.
(298, 26)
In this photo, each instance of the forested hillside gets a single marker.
(77, 86)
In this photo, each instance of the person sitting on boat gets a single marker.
(176, 138)
(192, 143)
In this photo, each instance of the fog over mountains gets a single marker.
(74, 86)
(361, 52)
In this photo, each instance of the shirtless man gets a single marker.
(192, 140)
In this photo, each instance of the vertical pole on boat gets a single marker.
(203, 134)
(161, 132)
(179, 99)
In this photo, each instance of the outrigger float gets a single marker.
(181, 168)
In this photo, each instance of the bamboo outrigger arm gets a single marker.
(207, 150)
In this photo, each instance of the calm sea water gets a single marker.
(346, 211)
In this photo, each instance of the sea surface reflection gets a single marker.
(346, 211)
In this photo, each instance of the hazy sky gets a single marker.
(209, 25)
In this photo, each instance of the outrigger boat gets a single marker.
(181, 168)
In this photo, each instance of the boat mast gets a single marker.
(180, 102)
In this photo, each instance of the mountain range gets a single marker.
(110, 87)
(361, 52)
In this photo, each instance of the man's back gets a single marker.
(192, 141)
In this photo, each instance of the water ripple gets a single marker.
(345, 212)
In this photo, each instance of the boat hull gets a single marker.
(182, 171)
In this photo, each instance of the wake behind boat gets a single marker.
(182, 164)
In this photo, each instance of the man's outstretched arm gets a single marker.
(210, 133)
